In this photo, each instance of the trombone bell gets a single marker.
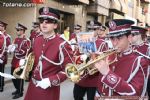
(74, 71)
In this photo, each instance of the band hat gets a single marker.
(93, 24)
(77, 26)
(119, 27)
(35, 24)
(3, 23)
(138, 30)
(21, 27)
(103, 28)
(47, 12)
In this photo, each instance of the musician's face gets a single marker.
(121, 43)
(135, 39)
(20, 32)
(47, 26)
(2, 27)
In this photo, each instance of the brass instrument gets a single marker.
(23, 71)
(74, 71)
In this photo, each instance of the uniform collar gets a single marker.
(52, 36)
(128, 51)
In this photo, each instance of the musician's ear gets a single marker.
(130, 38)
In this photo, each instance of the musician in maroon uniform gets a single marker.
(142, 47)
(87, 84)
(74, 39)
(126, 77)
(20, 47)
(35, 32)
(100, 37)
(5, 40)
(51, 57)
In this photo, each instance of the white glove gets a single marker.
(11, 48)
(1, 32)
(1, 61)
(44, 83)
(83, 57)
(22, 62)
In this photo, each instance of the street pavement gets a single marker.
(66, 92)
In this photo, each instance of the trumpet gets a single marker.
(23, 71)
(74, 71)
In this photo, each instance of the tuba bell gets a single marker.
(23, 71)
(74, 71)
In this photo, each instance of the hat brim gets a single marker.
(47, 17)
(35, 26)
(117, 34)
(19, 28)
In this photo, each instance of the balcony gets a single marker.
(140, 15)
(145, 1)
(115, 5)
(124, 7)
(147, 19)
(74, 2)
(99, 7)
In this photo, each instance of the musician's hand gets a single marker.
(11, 48)
(103, 66)
(22, 62)
(44, 83)
(1, 61)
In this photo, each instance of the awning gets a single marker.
(115, 5)
(124, 7)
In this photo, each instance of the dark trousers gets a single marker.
(2, 66)
(18, 83)
(79, 92)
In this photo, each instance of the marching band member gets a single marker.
(74, 39)
(35, 32)
(5, 40)
(126, 76)
(51, 57)
(142, 47)
(20, 47)
(101, 42)
(88, 84)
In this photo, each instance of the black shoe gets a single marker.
(17, 95)
(15, 92)
(1, 89)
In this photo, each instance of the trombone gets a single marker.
(74, 71)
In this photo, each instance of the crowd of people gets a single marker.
(128, 75)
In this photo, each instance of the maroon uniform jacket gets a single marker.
(50, 48)
(126, 76)
(101, 45)
(5, 41)
(22, 48)
(33, 35)
(144, 48)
